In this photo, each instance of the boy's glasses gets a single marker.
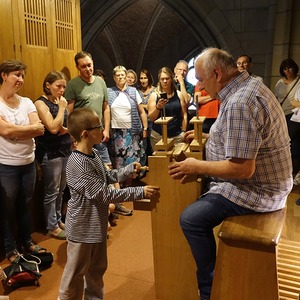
(96, 127)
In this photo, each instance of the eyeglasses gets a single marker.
(287, 68)
(96, 127)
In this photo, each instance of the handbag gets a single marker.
(44, 259)
(22, 272)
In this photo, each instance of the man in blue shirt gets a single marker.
(248, 160)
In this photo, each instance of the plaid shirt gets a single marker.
(251, 125)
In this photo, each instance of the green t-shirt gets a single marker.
(85, 94)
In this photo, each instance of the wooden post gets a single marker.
(165, 144)
(174, 265)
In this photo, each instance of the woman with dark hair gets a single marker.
(145, 88)
(172, 105)
(19, 125)
(286, 87)
(285, 91)
(53, 149)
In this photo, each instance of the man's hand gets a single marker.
(184, 170)
(150, 191)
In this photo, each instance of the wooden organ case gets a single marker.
(174, 266)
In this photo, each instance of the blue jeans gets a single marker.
(197, 222)
(17, 185)
(54, 175)
(103, 151)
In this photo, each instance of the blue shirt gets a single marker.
(251, 125)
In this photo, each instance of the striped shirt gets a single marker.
(89, 183)
(251, 125)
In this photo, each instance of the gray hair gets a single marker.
(118, 69)
(214, 57)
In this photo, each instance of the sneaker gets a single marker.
(122, 210)
(297, 179)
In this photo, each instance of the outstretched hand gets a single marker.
(150, 191)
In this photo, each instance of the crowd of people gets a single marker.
(91, 140)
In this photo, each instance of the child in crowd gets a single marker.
(86, 221)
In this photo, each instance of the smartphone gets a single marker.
(164, 96)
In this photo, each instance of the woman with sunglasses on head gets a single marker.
(53, 149)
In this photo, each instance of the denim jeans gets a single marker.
(17, 185)
(54, 175)
(103, 151)
(197, 222)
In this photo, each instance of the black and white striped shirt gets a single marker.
(89, 183)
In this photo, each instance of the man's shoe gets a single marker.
(122, 210)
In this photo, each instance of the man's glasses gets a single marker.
(96, 127)
(287, 68)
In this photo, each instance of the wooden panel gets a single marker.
(7, 49)
(33, 20)
(174, 266)
(67, 38)
(288, 266)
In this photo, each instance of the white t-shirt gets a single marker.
(296, 111)
(121, 111)
(21, 151)
(281, 90)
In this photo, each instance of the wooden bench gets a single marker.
(246, 266)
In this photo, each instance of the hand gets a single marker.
(105, 135)
(39, 128)
(62, 102)
(150, 191)
(137, 167)
(145, 134)
(179, 78)
(63, 130)
(189, 136)
(161, 103)
(184, 170)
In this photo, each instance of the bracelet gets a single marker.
(145, 129)
(158, 108)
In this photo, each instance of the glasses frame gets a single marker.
(96, 127)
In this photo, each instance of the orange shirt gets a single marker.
(210, 109)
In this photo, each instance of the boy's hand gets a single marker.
(150, 191)
(137, 167)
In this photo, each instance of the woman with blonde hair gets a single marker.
(169, 102)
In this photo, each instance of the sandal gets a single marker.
(13, 256)
(32, 248)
